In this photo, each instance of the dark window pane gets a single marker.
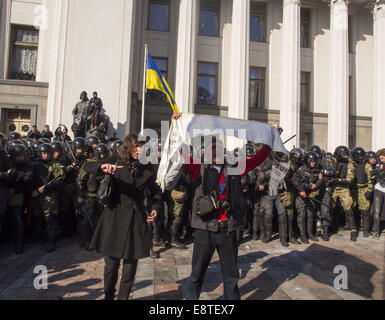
(256, 74)
(257, 8)
(256, 94)
(257, 29)
(304, 98)
(305, 77)
(24, 61)
(158, 18)
(207, 90)
(162, 65)
(210, 4)
(209, 23)
(207, 69)
(26, 36)
(305, 14)
(305, 26)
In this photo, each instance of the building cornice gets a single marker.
(23, 83)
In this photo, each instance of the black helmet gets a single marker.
(116, 145)
(79, 143)
(29, 144)
(371, 154)
(3, 142)
(45, 140)
(341, 152)
(311, 157)
(15, 142)
(359, 155)
(92, 140)
(250, 152)
(316, 149)
(297, 155)
(57, 147)
(102, 151)
(36, 145)
(280, 156)
(14, 136)
(18, 150)
(45, 148)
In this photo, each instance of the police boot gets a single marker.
(302, 226)
(325, 233)
(365, 223)
(310, 227)
(268, 224)
(282, 222)
(292, 238)
(175, 243)
(83, 232)
(352, 225)
(257, 226)
(51, 232)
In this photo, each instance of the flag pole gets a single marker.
(144, 86)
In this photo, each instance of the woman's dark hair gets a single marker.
(131, 142)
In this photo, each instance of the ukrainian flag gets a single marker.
(156, 81)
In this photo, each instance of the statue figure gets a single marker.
(80, 115)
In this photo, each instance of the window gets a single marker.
(305, 139)
(207, 83)
(305, 91)
(305, 28)
(158, 15)
(257, 21)
(23, 53)
(209, 18)
(156, 96)
(257, 88)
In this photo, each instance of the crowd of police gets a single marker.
(47, 192)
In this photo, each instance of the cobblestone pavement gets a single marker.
(267, 271)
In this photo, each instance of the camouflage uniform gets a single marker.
(345, 176)
(51, 175)
(361, 190)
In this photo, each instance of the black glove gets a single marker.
(369, 196)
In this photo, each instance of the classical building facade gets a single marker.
(316, 67)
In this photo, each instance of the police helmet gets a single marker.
(316, 149)
(45, 148)
(371, 154)
(102, 151)
(359, 155)
(36, 145)
(296, 155)
(92, 140)
(14, 136)
(341, 153)
(116, 145)
(57, 147)
(15, 142)
(18, 150)
(29, 144)
(311, 157)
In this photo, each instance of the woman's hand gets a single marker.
(110, 168)
(152, 216)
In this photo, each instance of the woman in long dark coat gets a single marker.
(123, 231)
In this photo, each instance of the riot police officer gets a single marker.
(362, 187)
(310, 182)
(344, 177)
(18, 178)
(48, 179)
(4, 167)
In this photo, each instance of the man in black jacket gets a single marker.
(219, 209)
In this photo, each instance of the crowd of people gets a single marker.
(49, 190)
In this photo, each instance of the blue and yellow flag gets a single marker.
(156, 81)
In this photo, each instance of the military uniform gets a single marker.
(362, 189)
(51, 175)
(5, 165)
(267, 205)
(308, 207)
(255, 197)
(345, 176)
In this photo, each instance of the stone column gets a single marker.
(338, 123)
(378, 136)
(186, 55)
(290, 72)
(239, 60)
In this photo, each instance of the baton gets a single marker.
(290, 139)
